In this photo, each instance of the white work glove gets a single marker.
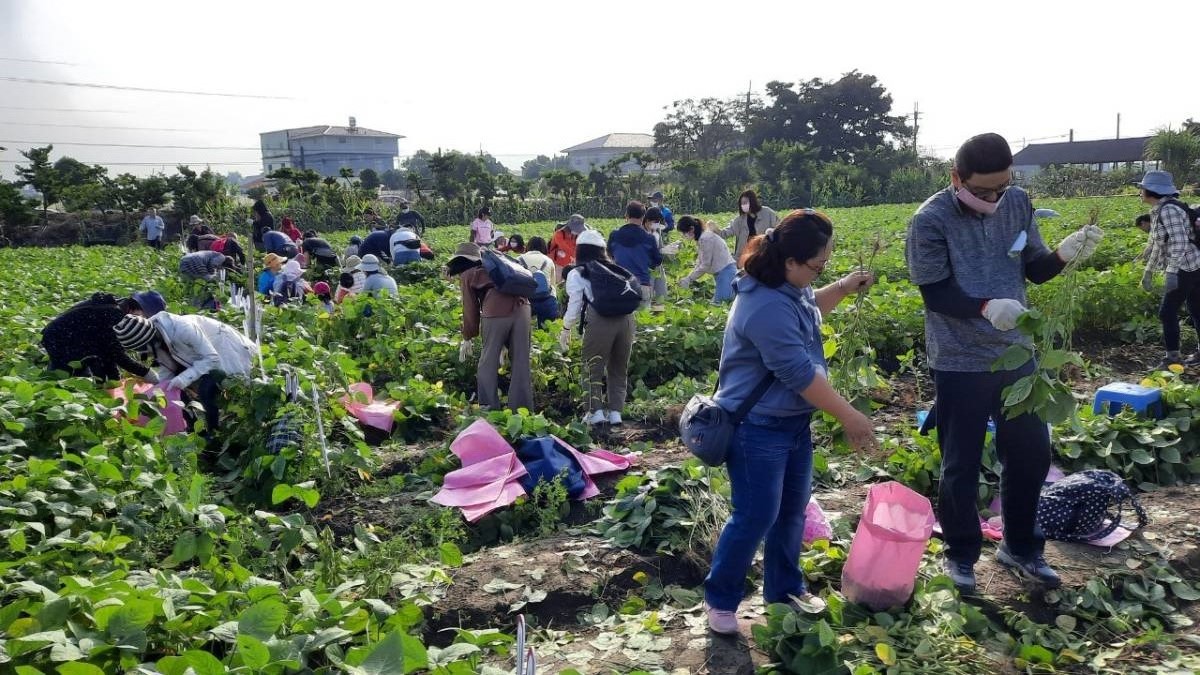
(1003, 313)
(1045, 213)
(150, 376)
(1172, 282)
(857, 281)
(671, 249)
(465, 351)
(173, 383)
(1148, 281)
(564, 339)
(685, 282)
(1080, 245)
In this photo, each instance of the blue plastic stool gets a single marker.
(1113, 397)
(923, 415)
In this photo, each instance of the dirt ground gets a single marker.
(569, 587)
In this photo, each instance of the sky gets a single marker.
(523, 78)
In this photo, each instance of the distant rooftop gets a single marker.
(1083, 152)
(615, 141)
(328, 130)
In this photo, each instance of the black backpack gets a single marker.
(615, 291)
(1193, 216)
(508, 275)
(1075, 508)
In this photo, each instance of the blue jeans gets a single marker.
(724, 292)
(770, 476)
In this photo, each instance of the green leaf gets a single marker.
(387, 658)
(262, 619)
(1185, 591)
(79, 668)
(54, 613)
(1014, 357)
(1170, 455)
(281, 493)
(203, 662)
(885, 653)
(1036, 654)
(825, 634)
(1018, 391)
(254, 653)
(450, 554)
(185, 547)
(1140, 456)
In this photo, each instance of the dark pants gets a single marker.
(1189, 293)
(102, 370)
(964, 403)
(207, 393)
(156, 243)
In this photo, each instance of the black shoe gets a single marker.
(1167, 362)
(1032, 567)
(962, 574)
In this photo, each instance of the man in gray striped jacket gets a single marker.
(203, 265)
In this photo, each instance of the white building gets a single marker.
(600, 151)
(327, 149)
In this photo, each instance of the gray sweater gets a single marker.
(712, 255)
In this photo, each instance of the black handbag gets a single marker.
(707, 429)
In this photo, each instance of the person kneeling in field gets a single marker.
(204, 265)
(83, 335)
(712, 257)
(504, 321)
(194, 354)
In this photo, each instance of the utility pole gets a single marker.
(916, 126)
(1118, 125)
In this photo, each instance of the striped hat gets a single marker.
(134, 332)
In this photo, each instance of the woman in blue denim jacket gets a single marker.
(774, 327)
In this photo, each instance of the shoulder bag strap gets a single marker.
(756, 395)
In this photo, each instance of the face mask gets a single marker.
(745, 207)
(976, 204)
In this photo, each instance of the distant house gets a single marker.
(1102, 155)
(327, 149)
(600, 151)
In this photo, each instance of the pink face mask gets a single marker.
(975, 203)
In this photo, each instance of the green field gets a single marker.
(122, 552)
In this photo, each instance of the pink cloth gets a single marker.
(881, 569)
(491, 471)
(173, 413)
(816, 523)
(377, 414)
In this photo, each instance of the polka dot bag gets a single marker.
(1085, 506)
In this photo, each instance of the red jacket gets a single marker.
(562, 248)
(289, 228)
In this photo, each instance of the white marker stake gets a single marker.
(520, 644)
(321, 429)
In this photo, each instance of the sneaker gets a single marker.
(1168, 361)
(806, 603)
(1033, 567)
(962, 574)
(721, 621)
(597, 417)
(614, 418)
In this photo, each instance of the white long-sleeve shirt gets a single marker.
(578, 290)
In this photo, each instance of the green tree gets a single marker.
(256, 192)
(392, 179)
(1179, 152)
(532, 168)
(700, 129)
(369, 179)
(194, 193)
(445, 183)
(152, 191)
(565, 184)
(41, 176)
(74, 173)
(415, 182)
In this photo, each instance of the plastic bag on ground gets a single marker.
(173, 413)
(376, 414)
(881, 569)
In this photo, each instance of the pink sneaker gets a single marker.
(722, 621)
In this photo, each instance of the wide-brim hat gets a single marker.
(369, 263)
(134, 333)
(656, 195)
(195, 220)
(1159, 182)
(351, 264)
(466, 251)
(273, 259)
(576, 224)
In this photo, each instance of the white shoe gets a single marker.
(597, 417)
(614, 418)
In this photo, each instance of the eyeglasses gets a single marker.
(988, 193)
(818, 267)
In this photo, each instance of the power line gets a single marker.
(82, 110)
(138, 145)
(172, 163)
(94, 85)
(53, 63)
(99, 126)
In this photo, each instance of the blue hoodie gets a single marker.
(636, 250)
(771, 328)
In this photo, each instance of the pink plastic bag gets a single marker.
(816, 523)
(881, 569)
(372, 413)
(490, 474)
(173, 413)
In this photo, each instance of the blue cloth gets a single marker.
(276, 242)
(725, 277)
(404, 256)
(776, 329)
(668, 217)
(545, 309)
(636, 250)
(545, 460)
(770, 478)
(153, 226)
(266, 282)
